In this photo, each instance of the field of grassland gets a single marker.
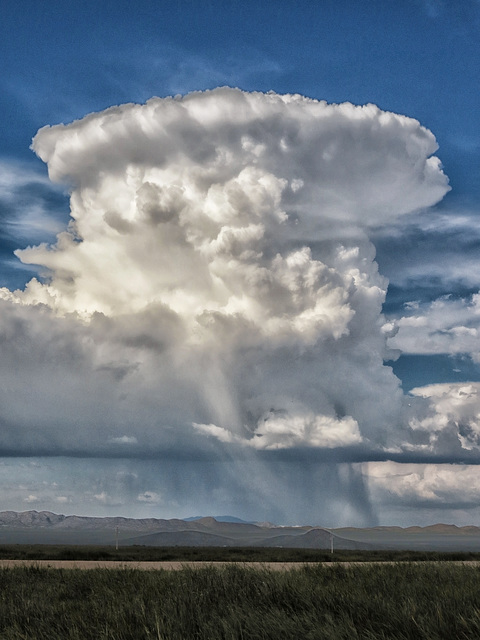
(404, 601)
(220, 554)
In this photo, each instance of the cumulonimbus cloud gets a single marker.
(216, 286)
(218, 250)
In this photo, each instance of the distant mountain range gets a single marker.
(221, 519)
(44, 527)
(50, 528)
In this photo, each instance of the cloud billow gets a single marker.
(216, 289)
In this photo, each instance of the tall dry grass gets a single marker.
(401, 601)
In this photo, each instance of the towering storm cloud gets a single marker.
(216, 294)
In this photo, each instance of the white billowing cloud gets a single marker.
(434, 485)
(454, 410)
(286, 430)
(278, 432)
(216, 279)
(446, 325)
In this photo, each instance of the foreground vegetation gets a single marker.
(221, 554)
(337, 602)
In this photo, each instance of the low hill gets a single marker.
(44, 527)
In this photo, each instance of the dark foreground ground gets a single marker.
(336, 602)
(220, 554)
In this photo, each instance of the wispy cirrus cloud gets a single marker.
(32, 209)
(447, 325)
(421, 253)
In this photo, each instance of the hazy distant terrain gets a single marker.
(32, 527)
(44, 527)
(437, 537)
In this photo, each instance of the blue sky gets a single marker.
(417, 58)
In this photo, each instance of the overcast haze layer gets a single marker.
(249, 282)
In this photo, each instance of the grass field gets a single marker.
(222, 554)
(399, 601)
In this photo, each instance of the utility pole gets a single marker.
(116, 538)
